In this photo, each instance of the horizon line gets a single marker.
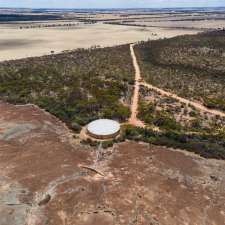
(184, 7)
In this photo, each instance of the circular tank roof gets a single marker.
(103, 127)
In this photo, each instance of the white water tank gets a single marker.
(103, 129)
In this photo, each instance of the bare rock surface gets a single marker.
(44, 178)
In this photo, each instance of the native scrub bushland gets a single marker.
(83, 85)
(77, 86)
(192, 66)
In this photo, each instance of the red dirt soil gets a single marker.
(133, 120)
(41, 162)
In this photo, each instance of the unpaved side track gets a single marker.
(134, 107)
(185, 101)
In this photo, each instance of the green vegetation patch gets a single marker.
(77, 86)
(161, 119)
(173, 124)
(206, 145)
(215, 102)
(192, 66)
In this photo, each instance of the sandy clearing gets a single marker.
(38, 42)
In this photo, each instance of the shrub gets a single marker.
(107, 144)
(165, 121)
(76, 86)
(209, 146)
(217, 103)
(75, 127)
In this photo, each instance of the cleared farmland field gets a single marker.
(16, 43)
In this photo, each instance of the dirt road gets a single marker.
(134, 107)
(185, 101)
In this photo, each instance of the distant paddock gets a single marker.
(18, 43)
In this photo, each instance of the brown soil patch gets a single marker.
(42, 181)
(133, 120)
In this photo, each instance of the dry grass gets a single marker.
(201, 24)
(38, 42)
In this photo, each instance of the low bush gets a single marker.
(107, 144)
(206, 145)
(77, 86)
(191, 66)
(217, 103)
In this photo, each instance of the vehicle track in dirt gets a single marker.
(197, 105)
(133, 120)
(134, 106)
